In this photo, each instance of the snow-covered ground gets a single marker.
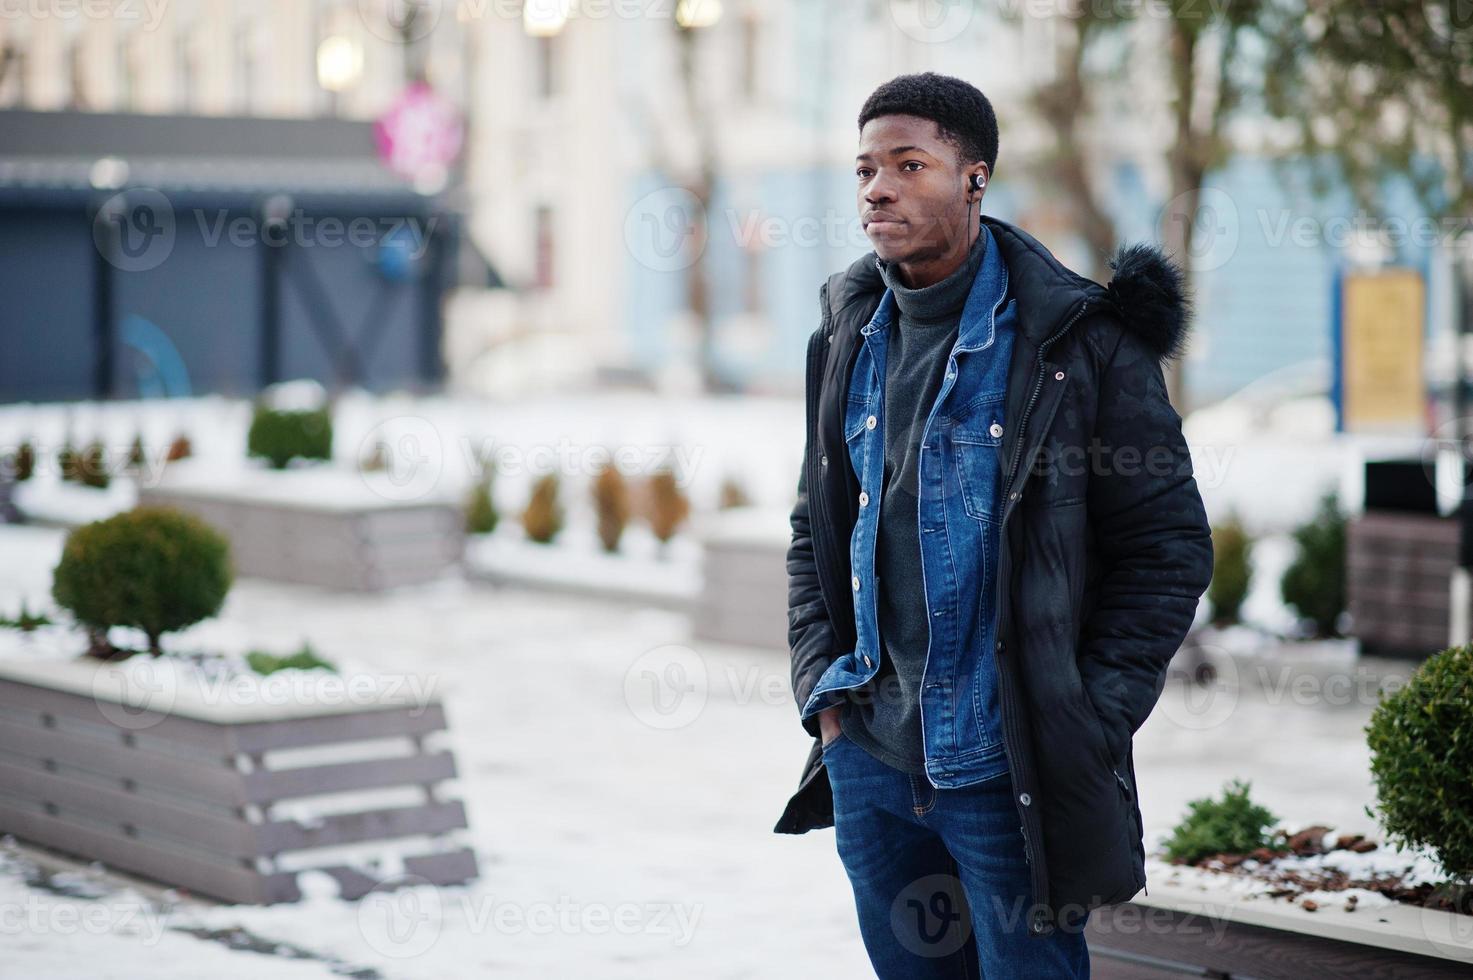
(622, 779)
(622, 782)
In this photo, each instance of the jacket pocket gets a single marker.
(976, 437)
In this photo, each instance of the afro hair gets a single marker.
(959, 109)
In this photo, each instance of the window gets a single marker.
(751, 48)
(546, 84)
(542, 276)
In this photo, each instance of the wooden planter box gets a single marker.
(182, 794)
(321, 528)
(1187, 930)
(1398, 573)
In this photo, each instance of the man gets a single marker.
(997, 547)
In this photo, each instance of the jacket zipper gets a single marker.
(1010, 710)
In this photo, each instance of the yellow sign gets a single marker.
(1382, 323)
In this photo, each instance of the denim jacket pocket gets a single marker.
(976, 438)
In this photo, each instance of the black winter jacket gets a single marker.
(1104, 551)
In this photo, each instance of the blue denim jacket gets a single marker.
(958, 510)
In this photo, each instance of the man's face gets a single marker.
(912, 192)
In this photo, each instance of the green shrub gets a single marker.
(152, 568)
(92, 466)
(281, 436)
(1314, 584)
(304, 659)
(25, 462)
(137, 456)
(481, 516)
(611, 503)
(1232, 571)
(68, 462)
(25, 620)
(543, 518)
(1421, 742)
(1232, 825)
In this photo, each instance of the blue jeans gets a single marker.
(934, 868)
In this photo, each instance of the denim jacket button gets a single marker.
(863, 498)
(996, 430)
(823, 459)
(870, 422)
(867, 661)
(854, 581)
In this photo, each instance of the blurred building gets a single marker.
(588, 141)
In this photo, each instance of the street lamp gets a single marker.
(545, 18)
(339, 63)
(697, 13)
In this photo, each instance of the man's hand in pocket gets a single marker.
(828, 724)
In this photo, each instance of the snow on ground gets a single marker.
(621, 779)
(624, 830)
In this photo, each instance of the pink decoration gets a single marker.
(421, 134)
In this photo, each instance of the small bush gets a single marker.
(25, 620)
(137, 456)
(669, 506)
(180, 448)
(733, 494)
(25, 461)
(1232, 825)
(304, 659)
(543, 518)
(1421, 742)
(481, 516)
(152, 568)
(1314, 584)
(377, 460)
(68, 462)
(1232, 571)
(280, 436)
(611, 502)
(92, 467)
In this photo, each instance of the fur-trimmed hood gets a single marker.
(1148, 290)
